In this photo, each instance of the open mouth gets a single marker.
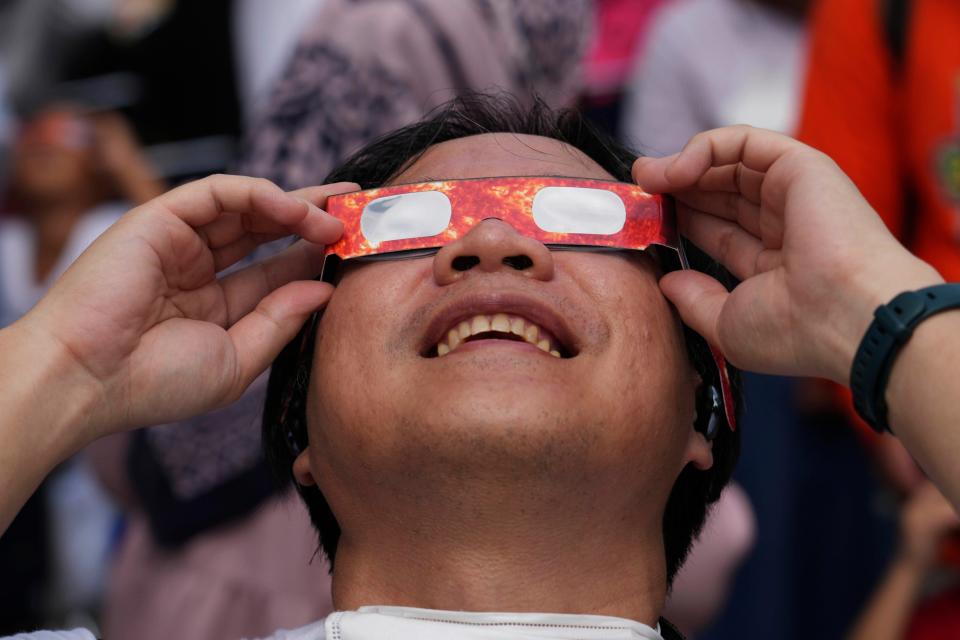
(499, 326)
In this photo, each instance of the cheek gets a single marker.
(357, 348)
(643, 373)
(652, 379)
(361, 320)
(659, 375)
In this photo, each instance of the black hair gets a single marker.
(284, 422)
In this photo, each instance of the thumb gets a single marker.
(651, 173)
(698, 298)
(261, 334)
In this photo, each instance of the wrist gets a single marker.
(53, 398)
(43, 419)
(862, 295)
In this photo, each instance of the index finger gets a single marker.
(261, 205)
(755, 149)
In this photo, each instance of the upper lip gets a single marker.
(490, 303)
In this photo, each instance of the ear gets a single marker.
(699, 450)
(302, 471)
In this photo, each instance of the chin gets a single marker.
(511, 398)
(498, 426)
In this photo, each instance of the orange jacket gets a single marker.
(888, 127)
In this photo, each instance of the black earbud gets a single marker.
(709, 424)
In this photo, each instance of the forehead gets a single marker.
(501, 154)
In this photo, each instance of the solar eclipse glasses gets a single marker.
(411, 220)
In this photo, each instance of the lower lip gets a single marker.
(493, 343)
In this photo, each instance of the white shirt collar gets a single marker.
(407, 623)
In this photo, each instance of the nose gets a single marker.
(491, 246)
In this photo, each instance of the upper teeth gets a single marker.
(502, 323)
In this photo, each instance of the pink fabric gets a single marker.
(621, 27)
(245, 580)
(701, 587)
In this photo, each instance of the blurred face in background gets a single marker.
(53, 160)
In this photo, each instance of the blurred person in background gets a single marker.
(882, 98)
(364, 69)
(72, 175)
(711, 63)
(917, 598)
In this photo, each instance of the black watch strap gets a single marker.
(892, 326)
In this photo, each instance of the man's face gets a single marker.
(614, 412)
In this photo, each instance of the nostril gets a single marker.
(465, 263)
(519, 263)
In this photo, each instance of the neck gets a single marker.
(514, 550)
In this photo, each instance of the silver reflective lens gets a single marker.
(579, 210)
(409, 215)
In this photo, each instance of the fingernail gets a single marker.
(346, 187)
